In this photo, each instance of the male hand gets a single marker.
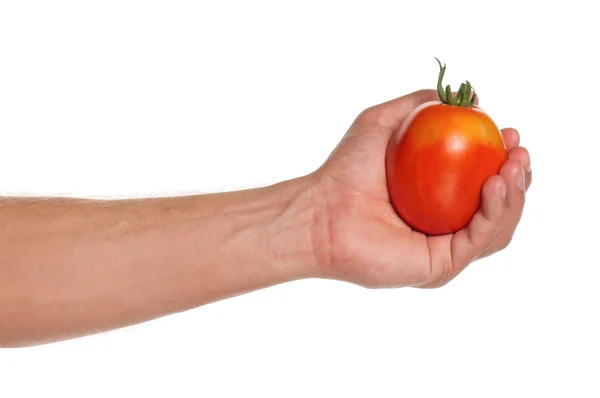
(364, 241)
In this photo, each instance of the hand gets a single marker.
(364, 241)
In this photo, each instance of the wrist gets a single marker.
(295, 237)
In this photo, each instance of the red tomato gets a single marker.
(438, 161)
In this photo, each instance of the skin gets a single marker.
(437, 163)
(72, 267)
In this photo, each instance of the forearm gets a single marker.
(75, 267)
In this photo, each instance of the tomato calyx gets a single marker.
(463, 95)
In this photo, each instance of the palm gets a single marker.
(369, 242)
(372, 246)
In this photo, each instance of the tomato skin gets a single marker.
(437, 163)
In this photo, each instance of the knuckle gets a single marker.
(372, 116)
(366, 115)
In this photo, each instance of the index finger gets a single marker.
(391, 114)
(511, 138)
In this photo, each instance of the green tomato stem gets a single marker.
(464, 97)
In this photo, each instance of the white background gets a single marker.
(141, 98)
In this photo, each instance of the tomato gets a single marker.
(439, 159)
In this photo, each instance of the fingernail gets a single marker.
(521, 180)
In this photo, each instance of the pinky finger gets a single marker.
(478, 235)
(484, 226)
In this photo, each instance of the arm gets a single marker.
(73, 267)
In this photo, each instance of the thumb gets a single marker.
(390, 115)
